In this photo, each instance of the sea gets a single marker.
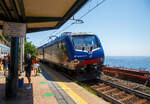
(130, 62)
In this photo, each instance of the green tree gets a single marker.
(5, 40)
(2, 37)
(30, 49)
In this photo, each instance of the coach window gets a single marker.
(63, 44)
(59, 45)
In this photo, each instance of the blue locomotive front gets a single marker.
(79, 53)
(86, 55)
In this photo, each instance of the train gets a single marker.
(4, 50)
(80, 54)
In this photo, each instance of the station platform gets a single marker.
(50, 87)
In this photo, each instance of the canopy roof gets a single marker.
(39, 15)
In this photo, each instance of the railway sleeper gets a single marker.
(98, 86)
(127, 98)
(104, 88)
(141, 101)
(94, 86)
(113, 92)
(119, 93)
(120, 96)
(102, 85)
(110, 91)
(132, 100)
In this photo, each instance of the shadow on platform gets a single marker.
(25, 96)
(50, 78)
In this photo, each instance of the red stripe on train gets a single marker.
(91, 61)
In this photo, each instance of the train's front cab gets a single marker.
(86, 55)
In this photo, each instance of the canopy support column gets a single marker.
(12, 79)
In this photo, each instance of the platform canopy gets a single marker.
(39, 15)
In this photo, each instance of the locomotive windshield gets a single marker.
(85, 42)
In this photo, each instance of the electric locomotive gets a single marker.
(80, 54)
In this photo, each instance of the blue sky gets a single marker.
(123, 27)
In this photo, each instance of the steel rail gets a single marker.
(137, 93)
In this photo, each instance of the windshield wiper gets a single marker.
(91, 48)
(83, 48)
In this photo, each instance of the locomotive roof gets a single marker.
(53, 41)
(77, 33)
(63, 36)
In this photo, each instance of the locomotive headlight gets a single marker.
(76, 61)
(101, 59)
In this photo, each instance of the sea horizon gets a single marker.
(131, 62)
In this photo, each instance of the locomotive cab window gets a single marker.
(85, 42)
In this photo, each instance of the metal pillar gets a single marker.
(22, 53)
(12, 79)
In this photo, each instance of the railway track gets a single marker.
(114, 93)
(118, 94)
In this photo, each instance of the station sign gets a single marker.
(14, 29)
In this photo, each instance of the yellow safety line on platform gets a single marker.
(75, 96)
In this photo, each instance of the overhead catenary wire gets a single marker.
(43, 41)
(85, 14)
(98, 4)
(65, 28)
